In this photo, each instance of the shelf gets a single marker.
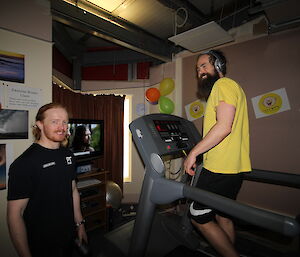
(91, 213)
(95, 219)
(92, 190)
(101, 225)
(91, 174)
(86, 158)
(91, 197)
(88, 174)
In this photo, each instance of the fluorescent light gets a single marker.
(108, 5)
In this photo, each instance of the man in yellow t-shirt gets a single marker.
(225, 146)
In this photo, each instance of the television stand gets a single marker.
(92, 190)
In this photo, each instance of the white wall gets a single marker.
(26, 28)
(38, 73)
(31, 17)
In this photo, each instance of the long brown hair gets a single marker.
(40, 116)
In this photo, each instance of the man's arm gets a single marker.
(225, 117)
(77, 213)
(16, 226)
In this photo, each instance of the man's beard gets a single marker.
(205, 85)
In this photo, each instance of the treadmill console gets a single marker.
(163, 134)
(172, 132)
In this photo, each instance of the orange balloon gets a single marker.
(152, 95)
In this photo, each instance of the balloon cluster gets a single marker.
(158, 96)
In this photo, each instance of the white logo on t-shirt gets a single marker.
(69, 160)
(48, 164)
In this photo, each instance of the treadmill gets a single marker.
(162, 135)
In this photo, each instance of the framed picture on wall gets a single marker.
(13, 124)
(11, 67)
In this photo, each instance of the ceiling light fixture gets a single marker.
(108, 5)
(88, 6)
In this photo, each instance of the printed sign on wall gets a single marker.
(271, 103)
(195, 110)
(23, 97)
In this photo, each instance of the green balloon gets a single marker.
(166, 105)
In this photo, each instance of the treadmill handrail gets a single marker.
(273, 177)
(276, 222)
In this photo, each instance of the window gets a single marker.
(127, 140)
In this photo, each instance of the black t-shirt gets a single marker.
(45, 177)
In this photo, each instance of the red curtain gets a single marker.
(109, 108)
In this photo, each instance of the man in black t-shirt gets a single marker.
(43, 201)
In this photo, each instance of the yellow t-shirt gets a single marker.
(231, 155)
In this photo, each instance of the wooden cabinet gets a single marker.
(92, 189)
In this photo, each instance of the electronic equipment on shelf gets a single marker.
(88, 182)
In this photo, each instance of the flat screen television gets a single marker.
(86, 138)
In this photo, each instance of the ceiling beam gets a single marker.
(84, 38)
(287, 24)
(116, 31)
(264, 5)
(71, 50)
(123, 56)
(195, 16)
(234, 14)
(64, 43)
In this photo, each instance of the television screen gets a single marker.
(86, 139)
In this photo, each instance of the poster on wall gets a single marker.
(1, 96)
(271, 103)
(6, 158)
(2, 166)
(195, 110)
(140, 109)
(11, 67)
(13, 124)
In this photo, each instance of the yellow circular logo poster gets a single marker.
(196, 109)
(270, 103)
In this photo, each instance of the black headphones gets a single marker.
(219, 62)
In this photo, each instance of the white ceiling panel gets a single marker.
(202, 37)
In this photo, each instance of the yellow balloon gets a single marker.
(166, 86)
